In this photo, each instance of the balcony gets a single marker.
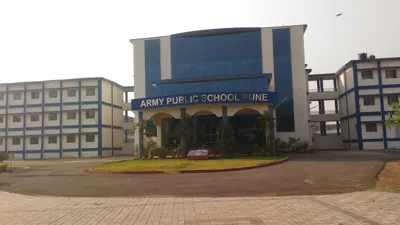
(327, 94)
(330, 115)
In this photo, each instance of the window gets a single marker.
(210, 133)
(90, 138)
(1, 96)
(53, 94)
(70, 138)
(35, 117)
(371, 127)
(392, 99)
(16, 118)
(90, 114)
(369, 100)
(1, 119)
(1, 141)
(52, 140)
(391, 73)
(71, 115)
(16, 141)
(17, 96)
(34, 140)
(90, 91)
(52, 116)
(366, 75)
(71, 92)
(34, 95)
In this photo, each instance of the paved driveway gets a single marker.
(306, 174)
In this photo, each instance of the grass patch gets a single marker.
(389, 178)
(175, 165)
(3, 167)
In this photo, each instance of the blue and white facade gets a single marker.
(367, 88)
(61, 118)
(224, 73)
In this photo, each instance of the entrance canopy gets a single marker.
(205, 98)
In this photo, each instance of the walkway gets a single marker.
(345, 209)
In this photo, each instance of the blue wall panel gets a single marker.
(227, 55)
(283, 79)
(152, 59)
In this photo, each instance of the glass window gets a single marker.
(16, 118)
(34, 140)
(71, 138)
(392, 99)
(52, 140)
(1, 118)
(367, 74)
(53, 94)
(369, 100)
(35, 117)
(1, 96)
(52, 116)
(35, 95)
(90, 114)
(1, 141)
(71, 92)
(331, 127)
(17, 96)
(371, 127)
(391, 73)
(90, 91)
(16, 141)
(71, 115)
(90, 138)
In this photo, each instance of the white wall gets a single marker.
(351, 103)
(91, 121)
(371, 135)
(139, 68)
(106, 137)
(106, 114)
(349, 77)
(70, 122)
(370, 108)
(11, 101)
(328, 142)
(363, 82)
(48, 146)
(86, 98)
(106, 91)
(267, 50)
(29, 122)
(390, 80)
(94, 144)
(11, 124)
(12, 147)
(47, 99)
(48, 122)
(165, 52)
(373, 145)
(73, 145)
(341, 83)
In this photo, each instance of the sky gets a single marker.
(57, 39)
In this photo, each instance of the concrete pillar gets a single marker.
(140, 141)
(272, 130)
(224, 114)
(159, 134)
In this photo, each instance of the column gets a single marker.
(272, 130)
(183, 142)
(140, 141)
(224, 114)
(126, 118)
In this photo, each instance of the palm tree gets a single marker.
(268, 124)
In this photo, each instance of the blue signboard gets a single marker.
(205, 98)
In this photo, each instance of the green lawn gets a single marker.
(3, 167)
(175, 165)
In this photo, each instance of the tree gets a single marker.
(268, 125)
(144, 131)
(184, 130)
(393, 117)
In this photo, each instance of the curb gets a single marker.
(192, 171)
(124, 172)
(236, 169)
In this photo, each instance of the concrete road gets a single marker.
(303, 174)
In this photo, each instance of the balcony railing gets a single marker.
(327, 112)
(325, 90)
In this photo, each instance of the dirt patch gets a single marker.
(389, 178)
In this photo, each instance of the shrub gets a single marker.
(293, 145)
(3, 167)
(3, 157)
